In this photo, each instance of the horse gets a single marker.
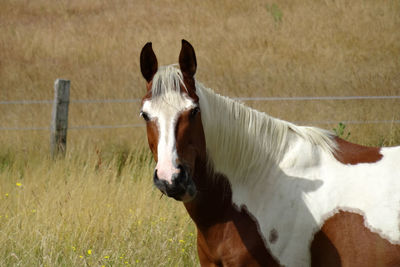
(263, 191)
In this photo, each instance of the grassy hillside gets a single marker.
(100, 198)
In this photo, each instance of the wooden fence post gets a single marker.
(59, 118)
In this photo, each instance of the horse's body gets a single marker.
(265, 192)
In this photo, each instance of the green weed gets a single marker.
(340, 131)
(275, 12)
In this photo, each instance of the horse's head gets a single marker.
(173, 120)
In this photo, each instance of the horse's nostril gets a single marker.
(156, 179)
(160, 184)
(180, 167)
(181, 176)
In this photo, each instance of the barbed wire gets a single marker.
(348, 122)
(77, 127)
(138, 100)
(140, 125)
(312, 98)
(78, 101)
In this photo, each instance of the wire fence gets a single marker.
(137, 100)
(245, 99)
(82, 101)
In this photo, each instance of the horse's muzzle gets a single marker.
(182, 187)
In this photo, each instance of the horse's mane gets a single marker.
(240, 138)
(167, 79)
(247, 139)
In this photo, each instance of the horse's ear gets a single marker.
(187, 59)
(148, 62)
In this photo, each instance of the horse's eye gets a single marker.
(194, 111)
(144, 115)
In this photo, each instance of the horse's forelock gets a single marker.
(167, 79)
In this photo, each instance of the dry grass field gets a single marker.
(97, 206)
(89, 209)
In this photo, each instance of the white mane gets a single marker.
(244, 138)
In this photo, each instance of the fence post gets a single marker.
(59, 118)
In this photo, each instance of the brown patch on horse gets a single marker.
(190, 139)
(349, 153)
(345, 241)
(152, 137)
(273, 236)
(149, 92)
(227, 235)
(190, 88)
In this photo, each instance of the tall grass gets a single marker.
(93, 208)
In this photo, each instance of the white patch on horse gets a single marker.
(289, 180)
(165, 106)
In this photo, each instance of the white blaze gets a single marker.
(165, 110)
(166, 163)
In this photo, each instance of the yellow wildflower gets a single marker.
(73, 248)
(18, 184)
(181, 241)
(106, 257)
(89, 252)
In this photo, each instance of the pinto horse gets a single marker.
(262, 191)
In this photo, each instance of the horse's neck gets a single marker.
(248, 146)
(240, 140)
(214, 197)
